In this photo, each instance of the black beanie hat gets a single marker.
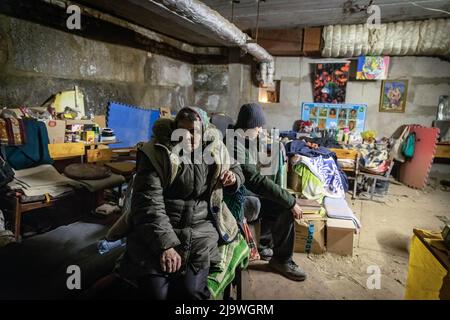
(250, 116)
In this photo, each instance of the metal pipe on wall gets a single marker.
(196, 12)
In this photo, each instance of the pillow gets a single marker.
(84, 171)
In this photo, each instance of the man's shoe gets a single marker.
(288, 269)
(266, 254)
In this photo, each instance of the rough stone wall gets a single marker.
(38, 61)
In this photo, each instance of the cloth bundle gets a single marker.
(372, 155)
(326, 170)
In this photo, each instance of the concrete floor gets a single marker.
(383, 241)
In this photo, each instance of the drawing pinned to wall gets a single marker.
(393, 95)
(372, 68)
(330, 82)
(339, 115)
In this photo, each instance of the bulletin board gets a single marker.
(332, 115)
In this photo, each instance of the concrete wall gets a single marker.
(428, 79)
(38, 61)
(222, 88)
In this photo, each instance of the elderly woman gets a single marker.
(177, 214)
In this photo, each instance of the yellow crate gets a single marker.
(66, 150)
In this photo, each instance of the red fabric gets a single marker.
(254, 254)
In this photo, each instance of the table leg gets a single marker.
(17, 219)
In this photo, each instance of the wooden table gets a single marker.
(442, 150)
(93, 152)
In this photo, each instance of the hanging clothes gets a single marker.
(35, 151)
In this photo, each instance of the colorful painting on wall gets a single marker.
(332, 116)
(330, 82)
(372, 68)
(393, 95)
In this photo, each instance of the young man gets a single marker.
(174, 237)
(278, 207)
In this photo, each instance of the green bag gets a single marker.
(408, 145)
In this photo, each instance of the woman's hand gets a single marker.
(228, 178)
(170, 261)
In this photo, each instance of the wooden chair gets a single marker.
(353, 172)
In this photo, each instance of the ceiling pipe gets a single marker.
(196, 12)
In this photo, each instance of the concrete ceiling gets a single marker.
(274, 14)
(151, 16)
(277, 14)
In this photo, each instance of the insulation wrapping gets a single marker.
(197, 13)
(429, 37)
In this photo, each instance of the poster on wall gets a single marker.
(330, 82)
(372, 68)
(393, 95)
(329, 116)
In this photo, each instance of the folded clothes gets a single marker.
(40, 180)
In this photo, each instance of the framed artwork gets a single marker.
(332, 115)
(393, 95)
(330, 82)
(372, 68)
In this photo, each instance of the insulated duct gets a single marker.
(196, 12)
(428, 38)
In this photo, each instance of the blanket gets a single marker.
(372, 155)
(327, 171)
(311, 186)
(233, 255)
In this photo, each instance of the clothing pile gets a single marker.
(318, 168)
(374, 157)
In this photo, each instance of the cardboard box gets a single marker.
(340, 236)
(56, 130)
(100, 120)
(317, 224)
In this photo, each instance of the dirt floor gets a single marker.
(383, 241)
